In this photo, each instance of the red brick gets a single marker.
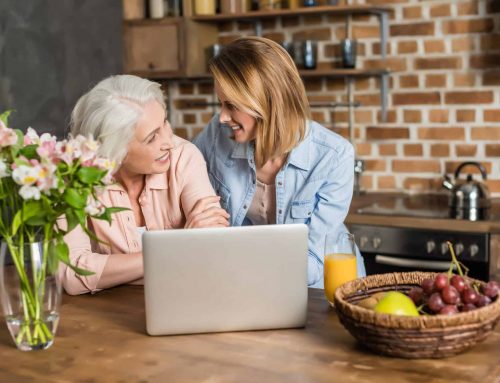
(363, 149)
(375, 165)
(440, 150)
(363, 116)
(383, 133)
(421, 98)
(483, 97)
(491, 115)
(189, 103)
(439, 115)
(451, 166)
(489, 60)
(412, 116)
(376, 48)
(186, 88)
(318, 116)
(413, 166)
(196, 131)
(464, 79)
(440, 10)
(485, 133)
(312, 19)
(467, 26)
(493, 186)
(466, 115)
(412, 12)
(365, 31)
(313, 84)
(408, 81)
(438, 63)
(368, 99)
(490, 42)
(492, 150)
(462, 44)
(463, 150)
(390, 117)
(407, 47)
(366, 181)
(422, 184)
(434, 46)
(413, 150)
(205, 88)
(181, 132)
(435, 81)
(386, 182)
(413, 29)
(278, 37)
(433, 133)
(206, 117)
(394, 64)
(313, 34)
(288, 22)
(335, 84)
(491, 77)
(387, 149)
(467, 8)
(189, 118)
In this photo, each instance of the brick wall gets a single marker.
(444, 101)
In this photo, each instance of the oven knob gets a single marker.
(473, 250)
(431, 245)
(459, 248)
(376, 242)
(444, 248)
(363, 241)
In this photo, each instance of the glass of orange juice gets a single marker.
(340, 262)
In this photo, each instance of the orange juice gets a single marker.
(339, 268)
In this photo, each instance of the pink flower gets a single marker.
(8, 137)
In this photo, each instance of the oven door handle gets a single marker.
(412, 263)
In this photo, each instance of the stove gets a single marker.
(389, 246)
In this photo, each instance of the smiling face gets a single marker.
(149, 151)
(243, 125)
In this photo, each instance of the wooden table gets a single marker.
(102, 338)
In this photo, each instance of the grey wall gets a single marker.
(53, 51)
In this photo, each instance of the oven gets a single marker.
(389, 249)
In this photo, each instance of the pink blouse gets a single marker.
(165, 201)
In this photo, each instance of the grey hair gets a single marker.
(110, 111)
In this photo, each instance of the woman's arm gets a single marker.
(109, 269)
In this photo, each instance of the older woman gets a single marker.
(266, 159)
(160, 177)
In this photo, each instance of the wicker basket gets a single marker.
(427, 336)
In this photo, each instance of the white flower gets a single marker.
(25, 175)
(4, 170)
(94, 207)
(31, 137)
(29, 192)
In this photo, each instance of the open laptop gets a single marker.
(225, 279)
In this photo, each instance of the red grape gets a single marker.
(469, 296)
(416, 294)
(428, 286)
(450, 295)
(458, 282)
(441, 281)
(491, 289)
(449, 310)
(435, 302)
(468, 307)
(483, 300)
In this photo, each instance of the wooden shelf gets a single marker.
(326, 9)
(303, 73)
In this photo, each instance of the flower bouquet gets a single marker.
(47, 188)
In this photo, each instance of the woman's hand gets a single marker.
(207, 213)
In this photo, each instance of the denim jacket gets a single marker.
(313, 187)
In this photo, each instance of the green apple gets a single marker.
(396, 303)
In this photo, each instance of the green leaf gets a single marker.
(106, 216)
(71, 219)
(90, 175)
(76, 199)
(62, 252)
(29, 151)
(31, 209)
(5, 116)
(53, 259)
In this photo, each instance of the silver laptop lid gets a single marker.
(225, 279)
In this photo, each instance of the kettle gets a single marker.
(469, 199)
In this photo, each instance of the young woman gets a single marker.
(161, 178)
(266, 160)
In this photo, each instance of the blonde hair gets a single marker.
(261, 79)
(109, 112)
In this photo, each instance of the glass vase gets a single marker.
(30, 293)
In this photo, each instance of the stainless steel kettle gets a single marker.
(469, 199)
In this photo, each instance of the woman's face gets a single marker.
(243, 124)
(149, 150)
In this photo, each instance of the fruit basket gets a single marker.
(425, 336)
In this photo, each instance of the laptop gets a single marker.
(225, 279)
